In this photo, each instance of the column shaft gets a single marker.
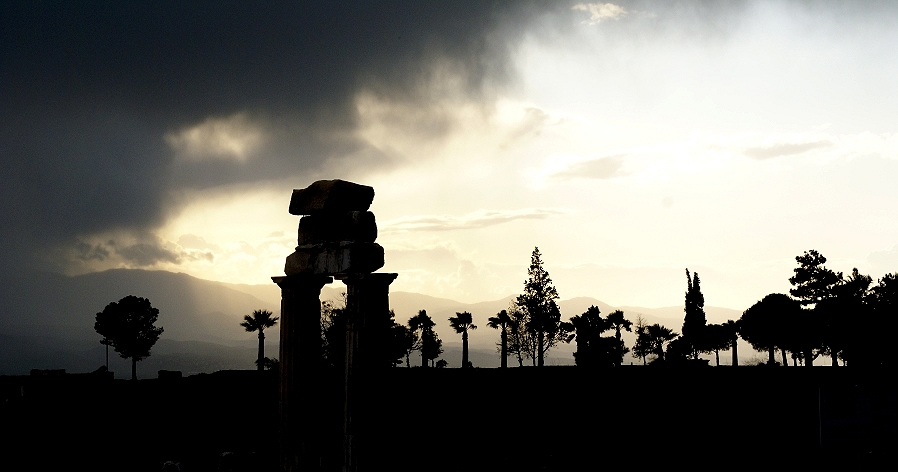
(300, 365)
(367, 329)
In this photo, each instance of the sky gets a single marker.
(629, 141)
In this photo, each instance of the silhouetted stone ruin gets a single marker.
(335, 240)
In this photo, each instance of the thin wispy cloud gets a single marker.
(477, 219)
(602, 168)
(784, 149)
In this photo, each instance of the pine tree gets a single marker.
(543, 315)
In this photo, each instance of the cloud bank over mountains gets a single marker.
(633, 136)
(112, 115)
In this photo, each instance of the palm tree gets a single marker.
(259, 320)
(502, 321)
(658, 336)
(617, 321)
(461, 323)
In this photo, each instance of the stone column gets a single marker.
(368, 310)
(300, 363)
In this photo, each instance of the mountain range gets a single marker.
(47, 321)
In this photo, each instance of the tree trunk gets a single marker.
(261, 364)
(771, 356)
(133, 369)
(835, 358)
(541, 338)
(504, 361)
(717, 356)
(464, 349)
(620, 348)
(785, 361)
(423, 359)
(808, 358)
(735, 351)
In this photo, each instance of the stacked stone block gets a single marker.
(336, 236)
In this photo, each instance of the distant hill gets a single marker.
(47, 321)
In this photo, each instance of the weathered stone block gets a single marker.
(331, 196)
(355, 226)
(331, 259)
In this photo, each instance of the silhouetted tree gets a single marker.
(761, 324)
(732, 330)
(694, 321)
(431, 345)
(461, 323)
(878, 346)
(501, 322)
(836, 315)
(617, 322)
(129, 326)
(333, 332)
(259, 321)
(538, 302)
(592, 349)
(657, 337)
(678, 351)
(520, 341)
(270, 363)
(107, 343)
(411, 342)
(716, 338)
(812, 281)
(642, 348)
(388, 340)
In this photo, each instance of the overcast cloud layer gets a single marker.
(110, 109)
(633, 137)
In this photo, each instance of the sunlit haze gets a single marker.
(628, 142)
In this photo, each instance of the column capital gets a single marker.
(301, 281)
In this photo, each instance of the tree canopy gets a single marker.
(812, 281)
(129, 327)
(762, 323)
(593, 349)
(543, 318)
(431, 344)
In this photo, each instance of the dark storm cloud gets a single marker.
(91, 92)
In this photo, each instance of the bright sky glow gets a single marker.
(626, 153)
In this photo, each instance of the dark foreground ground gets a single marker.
(550, 419)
